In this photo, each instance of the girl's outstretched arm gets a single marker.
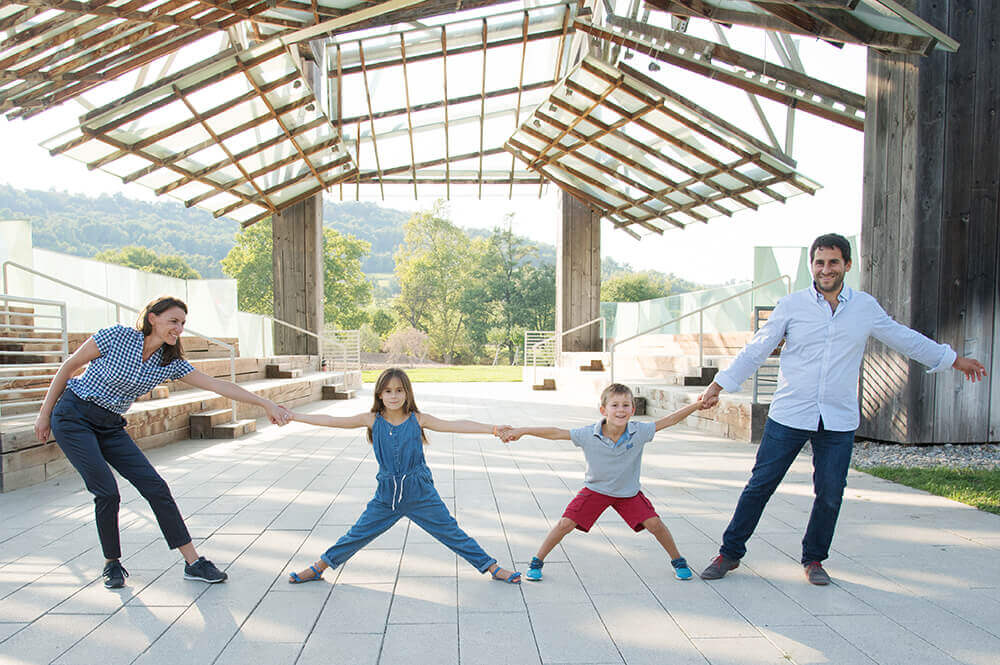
(344, 422)
(552, 433)
(428, 421)
(680, 414)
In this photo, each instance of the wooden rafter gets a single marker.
(409, 116)
(371, 118)
(447, 149)
(482, 111)
(520, 91)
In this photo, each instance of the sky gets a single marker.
(712, 253)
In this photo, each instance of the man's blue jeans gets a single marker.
(777, 451)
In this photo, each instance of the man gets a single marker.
(825, 328)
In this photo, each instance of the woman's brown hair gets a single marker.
(409, 406)
(171, 352)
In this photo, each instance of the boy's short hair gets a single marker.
(615, 389)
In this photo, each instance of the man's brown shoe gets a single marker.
(815, 573)
(719, 567)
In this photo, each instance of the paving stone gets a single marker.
(571, 633)
(44, 640)
(438, 644)
(242, 651)
(740, 651)
(355, 608)
(815, 645)
(424, 600)
(371, 566)
(200, 633)
(496, 638)
(643, 631)
(428, 560)
(283, 617)
(886, 642)
(341, 649)
(120, 639)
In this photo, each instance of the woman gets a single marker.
(85, 414)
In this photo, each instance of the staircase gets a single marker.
(32, 348)
(219, 424)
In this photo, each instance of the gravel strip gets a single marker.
(970, 456)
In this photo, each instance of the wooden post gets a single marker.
(298, 266)
(578, 276)
(930, 232)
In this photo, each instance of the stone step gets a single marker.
(596, 365)
(281, 372)
(234, 430)
(202, 424)
(546, 384)
(338, 392)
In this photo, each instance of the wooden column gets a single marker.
(578, 276)
(930, 233)
(298, 275)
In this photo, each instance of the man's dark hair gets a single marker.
(830, 241)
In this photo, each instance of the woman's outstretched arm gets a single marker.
(278, 415)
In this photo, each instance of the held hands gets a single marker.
(710, 397)
(971, 368)
(503, 432)
(278, 415)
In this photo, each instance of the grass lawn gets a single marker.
(454, 373)
(975, 487)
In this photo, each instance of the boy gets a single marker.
(613, 450)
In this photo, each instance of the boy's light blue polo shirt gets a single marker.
(613, 466)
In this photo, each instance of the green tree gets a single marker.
(434, 265)
(345, 289)
(146, 260)
(634, 287)
(383, 322)
(521, 294)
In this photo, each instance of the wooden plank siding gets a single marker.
(930, 238)
(578, 275)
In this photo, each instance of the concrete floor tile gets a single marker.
(478, 592)
(342, 649)
(428, 560)
(701, 611)
(200, 633)
(371, 566)
(44, 640)
(283, 617)
(571, 633)
(120, 639)
(424, 600)
(355, 608)
(244, 652)
(740, 651)
(886, 642)
(559, 584)
(643, 631)
(438, 644)
(496, 638)
(815, 645)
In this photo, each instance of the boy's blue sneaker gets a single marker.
(534, 573)
(681, 570)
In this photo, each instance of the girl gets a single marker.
(87, 421)
(405, 487)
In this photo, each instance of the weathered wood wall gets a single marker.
(930, 234)
(578, 276)
(298, 275)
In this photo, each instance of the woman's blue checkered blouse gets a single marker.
(119, 375)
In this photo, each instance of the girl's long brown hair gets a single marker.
(409, 406)
(159, 306)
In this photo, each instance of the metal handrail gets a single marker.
(534, 347)
(319, 337)
(62, 341)
(119, 306)
(701, 321)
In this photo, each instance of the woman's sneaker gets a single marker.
(681, 570)
(114, 575)
(204, 570)
(534, 573)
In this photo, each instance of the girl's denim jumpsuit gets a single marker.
(405, 489)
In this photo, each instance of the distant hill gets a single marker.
(83, 226)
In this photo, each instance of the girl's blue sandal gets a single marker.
(293, 578)
(513, 578)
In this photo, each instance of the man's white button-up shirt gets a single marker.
(818, 376)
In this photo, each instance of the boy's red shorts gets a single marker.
(588, 505)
